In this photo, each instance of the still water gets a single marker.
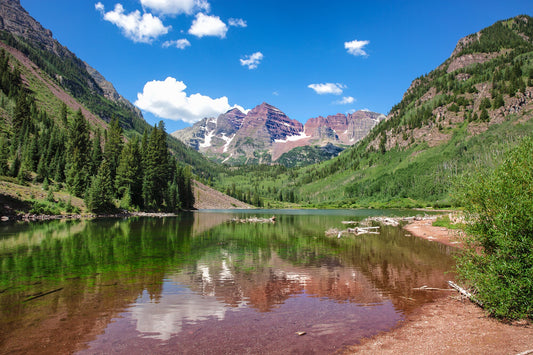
(200, 283)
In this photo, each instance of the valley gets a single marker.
(218, 234)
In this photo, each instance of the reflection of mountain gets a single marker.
(196, 270)
(270, 282)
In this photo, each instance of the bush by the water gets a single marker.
(498, 260)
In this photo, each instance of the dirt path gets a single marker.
(450, 325)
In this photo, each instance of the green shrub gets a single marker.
(44, 208)
(498, 260)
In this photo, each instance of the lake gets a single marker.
(202, 283)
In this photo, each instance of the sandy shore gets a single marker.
(450, 325)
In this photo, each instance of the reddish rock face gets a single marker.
(265, 133)
(340, 128)
(277, 126)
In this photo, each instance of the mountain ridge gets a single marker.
(265, 133)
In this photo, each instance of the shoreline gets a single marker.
(450, 324)
(27, 217)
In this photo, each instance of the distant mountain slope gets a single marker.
(460, 117)
(265, 133)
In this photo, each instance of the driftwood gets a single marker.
(465, 293)
(426, 288)
(254, 220)
(356, 231)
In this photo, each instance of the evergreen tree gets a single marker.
(63, 114)
(21, 116)
(156, 168)
(113, 145)
(498, 102)
(484, 116)
(184, 182)
(3, 156)
(129, 177)
(96, 153)
(99, 196)
(77, 169)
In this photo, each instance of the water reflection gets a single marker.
(179, 305)
(194, 279)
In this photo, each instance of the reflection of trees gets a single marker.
(103, 266)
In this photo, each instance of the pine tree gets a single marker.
(77, 169)
(21, 116)
(63, 114)
(498, 102)
(129, 177)
(484, 116)
(184, 183)
(96, 153)
(113, 145)
(156, 168)
(99, 196)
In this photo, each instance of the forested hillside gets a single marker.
(462, 116)
(91, 163)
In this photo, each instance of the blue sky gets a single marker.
(179, 60)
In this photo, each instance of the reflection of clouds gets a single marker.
(178, 305)
(225, 274)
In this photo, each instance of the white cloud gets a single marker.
(180, 43)
(237, 22)
(252, 61)
(138, 28)
(204, 25)
(176, 7)
(356, 47)
(345, 100)
(168, 99)
(327, 88)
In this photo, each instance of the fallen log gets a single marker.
(465, 293)
(426, 288)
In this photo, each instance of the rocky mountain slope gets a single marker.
(487, 79)
(15, 20)
(265, 133)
